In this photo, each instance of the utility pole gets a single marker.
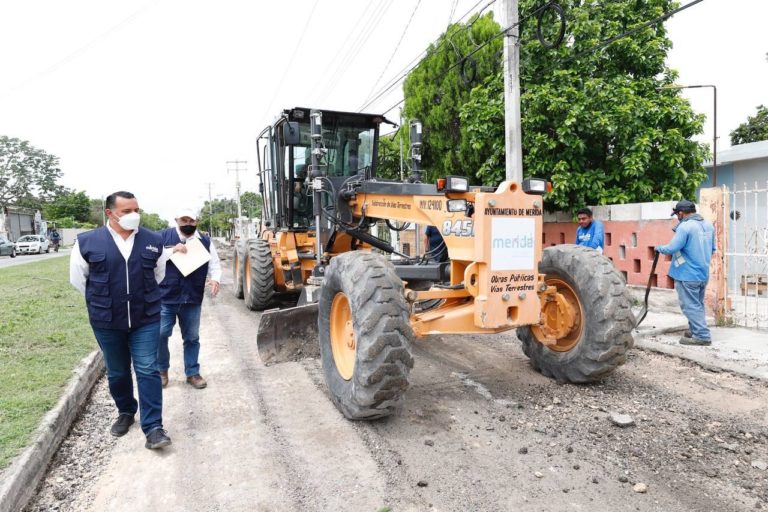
(210, 207)
(512, 132)
(237, 170)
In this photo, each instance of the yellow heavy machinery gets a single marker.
(366, 302)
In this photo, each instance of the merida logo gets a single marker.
(516, 242)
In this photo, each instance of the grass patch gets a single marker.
(44, 333)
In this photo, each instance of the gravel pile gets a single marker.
(80, 458)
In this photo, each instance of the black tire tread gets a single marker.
(262, 286)
(238, 257)
(381, 320)
(608, 324)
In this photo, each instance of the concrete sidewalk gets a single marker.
(735, 349)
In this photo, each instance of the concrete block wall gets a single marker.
(631, 233)
(69, 235)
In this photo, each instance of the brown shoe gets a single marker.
(164, 378)
(196, 381)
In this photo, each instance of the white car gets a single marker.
(32, 244)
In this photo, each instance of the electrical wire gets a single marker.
(631, 31)
(81, 50)
(290, 60)
(587, 51)
(339, 53)
(357, 45)
(453, 10)
(397, 47)
(401, 75)
(414, 62)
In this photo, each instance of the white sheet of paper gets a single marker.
(195, 257)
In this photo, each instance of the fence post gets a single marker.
(714, 207)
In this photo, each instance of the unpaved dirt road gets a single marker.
(480, 431)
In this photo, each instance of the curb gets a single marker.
(643, 333)
(22, 477)
(702, 359)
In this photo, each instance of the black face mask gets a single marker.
(187, 230)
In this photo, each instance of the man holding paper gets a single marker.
(194, 260)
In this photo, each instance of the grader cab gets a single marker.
(365, 302)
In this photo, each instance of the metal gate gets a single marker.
(747, 256)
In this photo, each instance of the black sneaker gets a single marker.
(694, 341)
(157, 439)
(121, 425)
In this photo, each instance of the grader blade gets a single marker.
(287, 334)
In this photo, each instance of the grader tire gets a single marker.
(259, 277)
(238, 258)
(606, 323)
(365, 336)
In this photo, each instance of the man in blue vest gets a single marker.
(118, 267)
(590, 232)
(691, 249)
(183, 298)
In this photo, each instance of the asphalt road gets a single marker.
(21, 259)
(480, 431)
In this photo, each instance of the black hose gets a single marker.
(560, 14)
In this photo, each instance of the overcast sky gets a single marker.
(155, 96)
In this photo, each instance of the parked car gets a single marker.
(7, 248)
(29, 244)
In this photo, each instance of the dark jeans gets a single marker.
(120, 347)
(189, 322)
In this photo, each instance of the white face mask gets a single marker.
(130, 221)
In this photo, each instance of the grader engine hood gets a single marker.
(504, 277)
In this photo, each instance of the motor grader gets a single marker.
(344, 285)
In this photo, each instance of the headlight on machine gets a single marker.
(536, 186)
(457, 205)
(453, 184)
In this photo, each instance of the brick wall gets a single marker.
(631, 233)
(629, 244)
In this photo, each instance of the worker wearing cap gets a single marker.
(182, 297)
(691, 249)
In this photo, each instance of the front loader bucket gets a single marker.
(288, 334)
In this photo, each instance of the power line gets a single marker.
(589, 50)
(358, 44)
(397, 46)
(352, 49)
(415, 62)
(631, 31)
(290, 61)
(400, 75)
(72, 56)
(343, 45)
(453, 10)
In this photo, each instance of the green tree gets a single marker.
(96, 212)
(72, 204)
(754, 130)
(388, 162)
(438, 87)
(593, 122)
(251, 204)
(153, 221)
(216, 216)
(28, 176)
